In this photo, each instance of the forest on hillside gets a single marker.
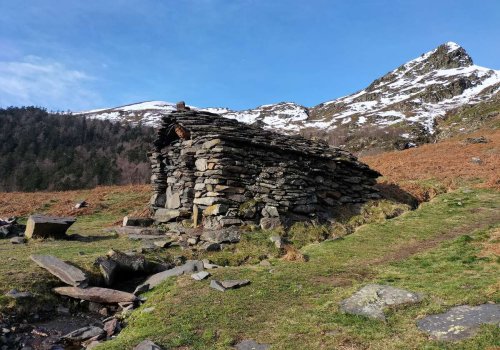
(51, 151)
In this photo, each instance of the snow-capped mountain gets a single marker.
(407, 99)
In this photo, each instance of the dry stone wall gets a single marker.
(219, 172)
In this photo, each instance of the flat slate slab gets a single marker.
(191, 266)
(97, 295)
(229, 284)
(371, 300)
(67, 273)
(200, 275)
(84, 333)
(41, 226)
(459, 322)
(250, 344)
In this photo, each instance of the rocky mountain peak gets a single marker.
(402, 104)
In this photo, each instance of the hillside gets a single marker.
(45, 151)
(445, 250)
(396, 111)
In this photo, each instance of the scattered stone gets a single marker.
(278, 241)
(229, 284)
(137, 221)
(190, 266)
(140, 237)
(371, 300)
(83, 334)
(270, 223)
(138, 230)
(459, 322)
(18, 240)
(200, 275)
(225, 235)
(476, 160)
(67, 273)
(148, 310)
(210, 247)
(81, 204)
(162, 243)
(41, 226)
(472, 140)
(112, 327)
(108, 268)
(250, 344)
(147, 345)
(96, 294)
(208, 265)
(15, 294)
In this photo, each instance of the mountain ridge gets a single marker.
(404, 103)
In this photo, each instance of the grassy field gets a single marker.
(447, 249)
(442, 250)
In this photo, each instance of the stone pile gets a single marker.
(218, 172)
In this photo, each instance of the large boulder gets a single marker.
(371, 300)
(459, 322)
(41, 226)
(67, 273)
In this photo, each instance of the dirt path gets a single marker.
(404, 251)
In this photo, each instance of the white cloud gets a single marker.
(46, 83)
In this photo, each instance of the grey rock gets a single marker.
(200, 275)
(67, 273)
(459, 322)
(18, 240)
(97, 295)
(166, 215)
(163, 243)
(208, 265)
(84, 333)
(210, 247)
(225, 235)
(109, 269)
(147, 345)
(228, 284)
(112, 327)
(41, 226)
(190, 266)
(371, 300)
(278, 241)
(250, 344)
(270, 223)
(217, 286)
(141, 237)
(270, 211)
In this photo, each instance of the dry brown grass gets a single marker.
(449, 162)
(132, 198)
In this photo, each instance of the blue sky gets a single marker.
(71, 54)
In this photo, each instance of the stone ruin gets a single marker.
(219, 172)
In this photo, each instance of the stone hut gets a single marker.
(219, 172)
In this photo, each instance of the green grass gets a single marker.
(432, 250)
